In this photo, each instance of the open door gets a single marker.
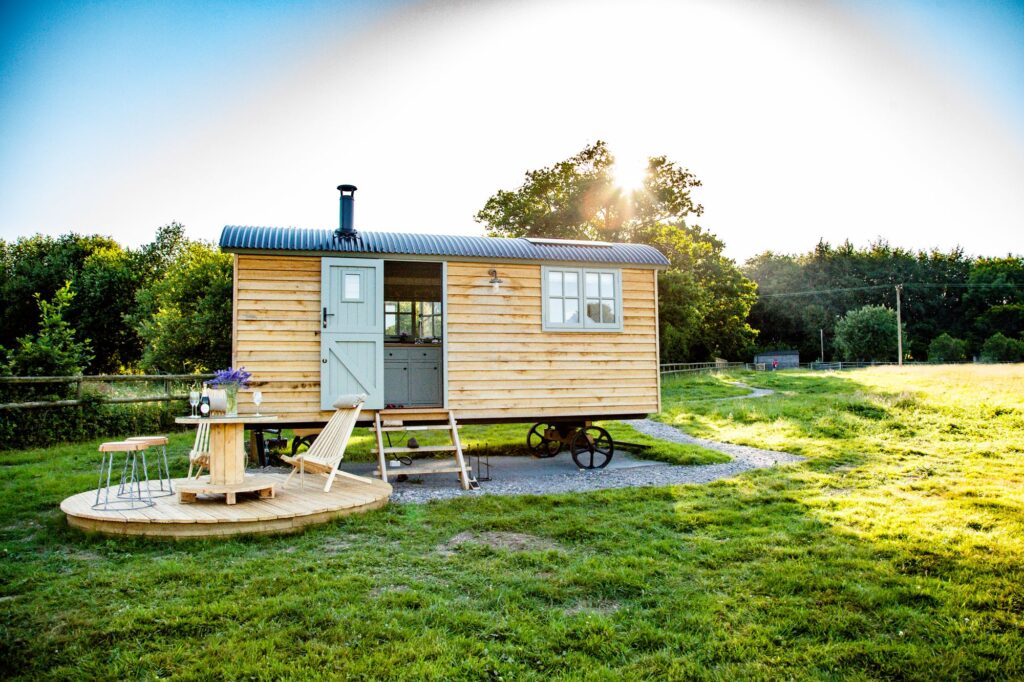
(352, 330)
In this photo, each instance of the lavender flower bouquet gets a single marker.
(229, 381)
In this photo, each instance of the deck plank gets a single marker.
(292, 509)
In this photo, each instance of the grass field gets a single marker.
(895, 552)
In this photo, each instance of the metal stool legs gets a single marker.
(130, 492)
(163, 471)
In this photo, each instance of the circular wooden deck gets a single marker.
(293, 508)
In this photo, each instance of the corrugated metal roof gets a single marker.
(237, 237)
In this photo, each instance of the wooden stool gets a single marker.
(163, 472)
(130, 493)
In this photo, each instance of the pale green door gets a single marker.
(352, 330)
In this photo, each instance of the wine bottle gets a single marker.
(204, 402)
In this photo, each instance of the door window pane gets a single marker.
(352, 287)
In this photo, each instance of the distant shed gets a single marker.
(787, 359)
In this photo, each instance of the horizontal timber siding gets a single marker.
(277, 334)
(500, 362)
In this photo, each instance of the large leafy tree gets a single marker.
(704, 298)
(105, 278)
(184, 317)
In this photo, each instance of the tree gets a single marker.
(53, 351)
(184, 318)
(868, 333)
(945, 348)
(704, 299)
(1000, 348)
(105, 278)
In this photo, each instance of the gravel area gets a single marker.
(531, 476)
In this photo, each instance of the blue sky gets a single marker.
(855, 118)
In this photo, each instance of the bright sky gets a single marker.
(805, 120)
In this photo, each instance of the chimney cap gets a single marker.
(346, 188)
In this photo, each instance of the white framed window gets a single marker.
(581, 299)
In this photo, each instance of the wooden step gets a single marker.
(422, 448)
(421, 427)
(442, 467)
(428, 414)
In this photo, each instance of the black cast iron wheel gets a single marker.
(299, 441)
(592, 448)
(541, 446)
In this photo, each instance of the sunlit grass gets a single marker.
(894, 552)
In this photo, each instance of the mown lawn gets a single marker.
(895, 551)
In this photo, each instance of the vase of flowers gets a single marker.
(230, 380)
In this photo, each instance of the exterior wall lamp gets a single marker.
(495, 280)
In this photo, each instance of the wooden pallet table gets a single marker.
(263, 485)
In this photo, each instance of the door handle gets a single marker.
(326, 315)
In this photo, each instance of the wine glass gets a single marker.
(193, 400)
(257, 398)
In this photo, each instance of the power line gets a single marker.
(943, 285)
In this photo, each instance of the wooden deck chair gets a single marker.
(199, 456)
(326, 452)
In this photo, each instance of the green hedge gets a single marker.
(45, 426)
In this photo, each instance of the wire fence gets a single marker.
(19, 393)
(699, 367)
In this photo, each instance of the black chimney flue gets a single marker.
(346, 218)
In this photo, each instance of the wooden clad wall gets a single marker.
(277, 333)
(500, 363)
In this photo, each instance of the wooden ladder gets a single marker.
(394, 420)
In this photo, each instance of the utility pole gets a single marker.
(899, 324)
(822, 333)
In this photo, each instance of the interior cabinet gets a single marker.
(412, 376)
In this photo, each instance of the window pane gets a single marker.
(591, 284)
(608, 311)
(554, 284)
(438, 327)
(555, 311)
(390, 325)
(352, 289)
(571, 284)
(405, 306)
(405, 323)
(390, 307)
(594, 310)
(572, 310)
(607, 285)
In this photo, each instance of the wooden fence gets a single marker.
(80, 381)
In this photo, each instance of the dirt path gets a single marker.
(754, 392)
